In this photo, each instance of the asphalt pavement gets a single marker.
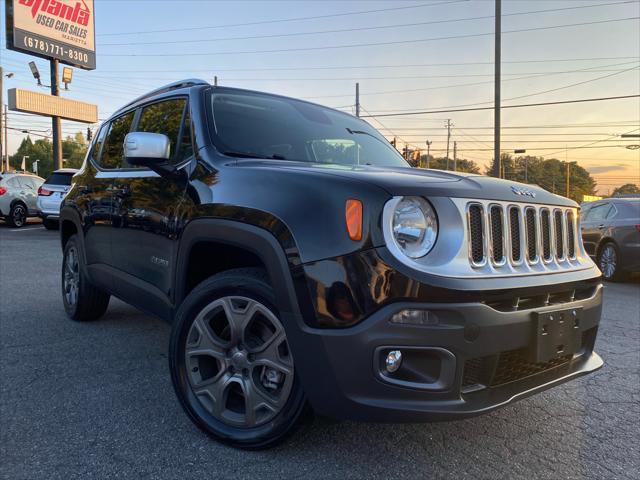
(94, 400)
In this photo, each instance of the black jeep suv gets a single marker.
(306, 267)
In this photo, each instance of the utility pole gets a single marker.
(448, 125)
(2, 142)
(455, 156)
(496, 106)
(6, 141)
(55, 121)
(357, 100)
(568, 182)
(428, 151)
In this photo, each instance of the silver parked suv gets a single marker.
(18, 197)
(50, 196)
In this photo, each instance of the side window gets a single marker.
(166, 117)
(113, 150)
(97, 143)
(14, 183)
(599, 212)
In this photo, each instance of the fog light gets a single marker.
(415, 317)
(394, 360)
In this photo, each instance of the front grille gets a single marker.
(532, 235)
(476, 233)
(495, 232)
(571, 237)
(559, 231)
(545, 232)
(514, 225)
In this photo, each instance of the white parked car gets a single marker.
(18, 197)
(50, 196)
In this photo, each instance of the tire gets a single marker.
(50, 224)
(17, 215)
(609, 263)
(82, 300)
(224, 335)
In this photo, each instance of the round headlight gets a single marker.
(414, 226)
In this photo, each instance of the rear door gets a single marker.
(27, 193)
(146, 208)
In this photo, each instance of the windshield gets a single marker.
(253, 125)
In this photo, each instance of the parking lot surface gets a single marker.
(95, 400)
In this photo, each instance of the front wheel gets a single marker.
(231, 365)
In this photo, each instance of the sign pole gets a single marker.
(55, 121)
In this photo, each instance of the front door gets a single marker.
(92, 191)
(147, 207)
(593, 225)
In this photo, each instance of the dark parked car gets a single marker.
(611, 235)
(306, 267)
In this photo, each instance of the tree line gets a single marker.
(74, 149)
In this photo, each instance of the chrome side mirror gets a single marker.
(146, 149)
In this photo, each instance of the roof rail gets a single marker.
(190, 82)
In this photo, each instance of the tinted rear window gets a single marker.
(60, 179)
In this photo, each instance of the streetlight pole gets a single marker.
(497, 72)
(55, 121)
(428, 151)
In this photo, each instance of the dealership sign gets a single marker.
(54, 29)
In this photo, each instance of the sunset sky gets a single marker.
(407, 56)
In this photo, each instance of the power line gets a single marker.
(283, 20)
(360, 29)
(560, 102)
(440, 87)
(369, 44)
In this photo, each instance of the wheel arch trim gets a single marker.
(254, 239)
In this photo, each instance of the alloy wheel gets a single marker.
(608, 261)
(71, 276)
(238, 361)
(19, 215)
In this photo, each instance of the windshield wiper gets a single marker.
(235, 154)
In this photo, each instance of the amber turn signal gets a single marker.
(353, 215)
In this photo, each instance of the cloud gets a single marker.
(607, 168)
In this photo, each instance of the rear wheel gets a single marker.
(50, 224)
(230, 362)
(17, 215)
(609, 263)
(82, 300)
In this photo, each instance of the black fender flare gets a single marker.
(69, 214)
(257, 240)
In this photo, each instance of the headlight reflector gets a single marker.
(414, 226)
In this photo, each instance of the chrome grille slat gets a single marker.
(505, 236)
(515, 234)
(497, 231)
(545, 230)
(571, 235)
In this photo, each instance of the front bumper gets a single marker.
(471, 354)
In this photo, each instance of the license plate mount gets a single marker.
(558, 333)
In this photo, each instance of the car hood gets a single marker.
(416, 181)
